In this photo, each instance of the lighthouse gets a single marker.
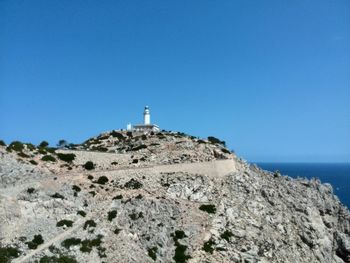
(146, 127)
(146, 116)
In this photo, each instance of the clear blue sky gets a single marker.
(271, 78)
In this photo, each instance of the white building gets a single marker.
(146, 126)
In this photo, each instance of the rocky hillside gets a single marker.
(164, 197)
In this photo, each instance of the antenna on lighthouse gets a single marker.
(146, 116)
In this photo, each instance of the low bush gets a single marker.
(37, 240)
(102, 180)
(117, 231)
(89, 165)
(210, 209)
(88, 244)
(57, 195)
(89, 223)
(15, 146)
(76, 188)
(208, 246)
(43, 144)
(216, 140)
(71, 242)
(117, 135)
(136, 148)
(49, 158)
(64, 222)
(8, 253)
(117, 197)
(112, 214)
(33, 162)
(2, 143)
(133, 184)
(67, 157)
(30, 190)
(81, 213)
(23, 155)
(226, 235)
(59, 259)
(152, 252)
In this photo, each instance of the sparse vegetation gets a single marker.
(37, 240)
(81, 213)
(76, 188)
(89, 223)
(142, 146)
(30, 190)
(59, 259)
(2, 143)
(117, 197)
(216, 140)
(88, 244)
(33, 162)
(210, 209)
(112, 214)
(208, 246)
(226, 235)
(71, 242)
(64, 222)
(114, 163)
(15, 146)
(90, 177)
(57, 195)
(102, 180)
(133, 184)
(180, 256)
(8, 253)
(23, 155)
(67, 157)
(43, 144)
(117, 231)
(152, 252)
(117, 135)
(49, 158)
(89, 165)
(135, 216)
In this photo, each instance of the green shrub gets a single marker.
(112, 214)
(15, 146)
(59, 259)
(42, 151)
(133, 184)
(152, 252)
(67, 157)
(64, 222)
(117, 197)
(117, 231)
(57, 195)
(102, 180)
(136, 148)
(81, 213)
(33, 162)
(89, 165)
(226, 235)
(208, 246)
(210, 209)
(50, 149)
(135, 216)
(89, 223)
(71, 242)
(87, 245)
(43, 144)
(30, 190)
(216, 140)
(117, 135)
(23, 155)
(49, 158)
(30, 146)
(8, 253)
(224, 150)
(37, 240)
(76, 188)
(2, 143)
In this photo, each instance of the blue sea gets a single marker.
(337, 174)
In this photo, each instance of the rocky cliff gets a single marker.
(164, 197)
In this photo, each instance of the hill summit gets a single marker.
(127, 196)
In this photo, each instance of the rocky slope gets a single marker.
(164, 197)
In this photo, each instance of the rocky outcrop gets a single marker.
(148, 212)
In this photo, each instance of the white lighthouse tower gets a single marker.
(146, 116)
(146, 127)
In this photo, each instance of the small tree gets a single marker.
(62, 143)
(43, 144)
